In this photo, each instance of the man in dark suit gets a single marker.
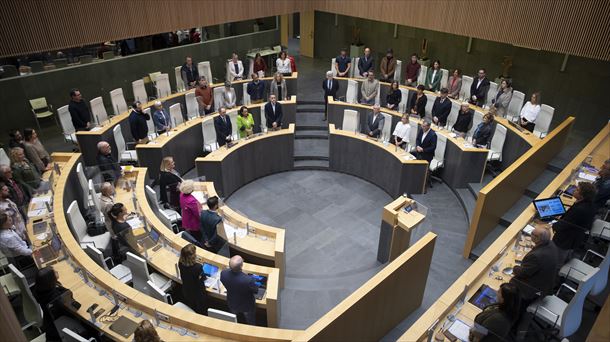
(479, 89)
(375, 122)
(109, 167)
(536, 275)
(240, 291)
(222, 124)
(425, 143)
(273, 113)
(330, 87)
(209, 220)
(441, 108)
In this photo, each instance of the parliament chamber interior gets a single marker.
(254, 170)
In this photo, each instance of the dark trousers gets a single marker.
(529, 126)
(246, 317)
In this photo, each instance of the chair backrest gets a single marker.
(491, 93)
(179, 82)
(71, 336)
(515, 104)
(162, 85)
(233, 117)
(150, 123)
(98, 110)
(82, 180)
(36, 66)
(441, 143)
(97, 256)
(543, 121)
(65, 120)
(572, 315)
(108, 55)
(250, 67)
(421, 78)
(404, 99)
(76, 222)
(429, 104)
(225, 316)
(209, 133)
(118, 139)
(139, 91)
(228, 68)
(164, 218)
(355, 67)
(352, 92)
(246, 96)
(413, 133)
(205, 70)
(444, 77)
(4, 159)
(351, 120)
(9, 71)
(218, 100)
(332, 66)
(192, 107)
(85, 59)
(155, 292)
(263, 117)
(151, 196)
(602, 278)
(139, 272)
(95, 197)
(497, 141)
(118, 101)
(153, 76)
(477, 118)
(466, 83)
(31, 309)
(175, 112)
(398, 71)
(39, 104)
(386, 131)
(453, 114)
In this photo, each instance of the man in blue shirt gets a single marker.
(342, 64)
(256, 89)
(161, 118)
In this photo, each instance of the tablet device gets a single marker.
(484, 296)
(124, 326)
(570, 190)
(549, 207)
(209, 270)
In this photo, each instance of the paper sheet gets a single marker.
(199, 196)
(36, 213)
(95, 129)
(135, 223)
(528, 229)
(460, 330)
(586, 176)
(230, 230)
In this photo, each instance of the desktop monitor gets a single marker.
(549, 207)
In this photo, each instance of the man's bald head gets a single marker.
(103, 147)
(236, 263)
(540, 235)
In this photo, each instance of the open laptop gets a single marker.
(151, 240)
(48, 252)
(40, 226)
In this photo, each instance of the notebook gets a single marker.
(48, 252)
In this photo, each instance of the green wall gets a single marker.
(98, 79)
(579, 91)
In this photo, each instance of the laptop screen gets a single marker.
(209, 270)
(259, 280)
(154, 235)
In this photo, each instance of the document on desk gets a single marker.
(586, 176)
(135, 223)
(230, 230)
(199, 196)
(37, 212)
(459, 330)
(95, 129)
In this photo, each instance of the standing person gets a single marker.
(417, 105)
(454, 84)
(256, 89)
(433, 77)
(369, 89)
(282, 63)
(375, 122)
(137, 123)
(79, 112)
(48, 292)
(425, 145)
(529, 112)
(503, 97)
(498, 319)
(12, 210)
(260, 66)
(190, 209)
(209, 220)
(278, 87)
(330, 87)
(479, 89)
(394, 96)
(193, 280)
(366, 63)
(224, 130)
(342, 64)
(229, 99)
(189, 73)
(412, 71)
(24, 172)
(602, 186)
(441, 108)
(169, 182)
(205, 97)
(245, 122)
(108, 165)
(400, 137)
(161, 118)
(482, 133)
(241, 289)
(236, 69)
(273, 113)
(388, 66)
(35, 152)
(464, 119)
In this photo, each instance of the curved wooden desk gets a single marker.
(463, 164)
(516, 143)
(231, 168)
(394, 170)
(87, 140)
(185, 142)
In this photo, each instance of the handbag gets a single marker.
(95, 229)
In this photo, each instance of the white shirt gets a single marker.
(402, 131)
(423, 136)
(530, 112)
(433, 75)
(12, 245)
(11, 209)
(479, 83)
(283, 66)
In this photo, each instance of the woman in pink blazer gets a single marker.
(454, 84)
(190, 209)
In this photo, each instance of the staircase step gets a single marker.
(467, 200)
(540, 183)
(314, 148)
(486, 242)
(474, 188)
(311, 128)
(515, 211)
(311, 134)
(311, 119)
(300, 102)
(310, 109)
(309, 164)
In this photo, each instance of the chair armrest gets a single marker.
(109, 259)
(568, 275)
(549, 311)
(132, 144)
(566, 286)
(169, 298)
(594, 253)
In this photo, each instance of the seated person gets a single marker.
(35, 152)
(401, 132)
(464, 119)
(17, 193)
(369, 89)
(417, 105)
(11, 209)
(16, 139)
(24, 172)
(482, 133)
(245, 122)
(161, 118)
(11, 244)
(394, 96)
(441, 108)
(602, 185)
(109, 167)
(124, 241)
(209, 220)
(375, 122)
(570, 230)
(145, 332)
(529, 112)
(106, 203)
(498, 319)
(222, 124)
(388, 66)
(229, 99)
(48, 293)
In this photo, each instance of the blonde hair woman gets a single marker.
(23, 171)
(169, 180)
(193, 287)
(278, 87)
(145, 332)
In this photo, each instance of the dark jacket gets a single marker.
(419, 105)
(240, 291)
(193, 287)
(482, 133)
(256, 91)
(464, 121)
(209, 220)
(365, 65)
(109, 167)
(334, 87)
(428, 144)
(480, 92)
(190, 75)
(394, 98)
(497, 323)
(223, 129)
(537, 271)
(52, 308)
(273, 116)
(441, 110)
(80, 114)
(138, 125)
(571, 227)
(168, 183)
(603, 192)
(375, 125)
